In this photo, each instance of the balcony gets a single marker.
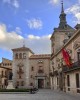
(51, 74)
(20, 72)
(74, 66)
(40, 71)
(55, 73)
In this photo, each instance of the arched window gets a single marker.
(20, 56)
(24, 55)
(16, 55)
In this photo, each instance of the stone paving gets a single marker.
(41, 95)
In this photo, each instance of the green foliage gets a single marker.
(14, 90)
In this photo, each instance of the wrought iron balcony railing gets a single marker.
(51, 74)
(74, 66)
(40, 71)
(55, 73)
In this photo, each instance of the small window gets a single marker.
(2, 73)
(68, 80)
(20, 56)
(40, 71)
(10, 64)
(10, 75)
(31, 76)
(5, 64)
(31, 84)
(22, 83)
(57, 81)
(40, 67)
(77, 80)
(17, 83)
(20, 76)
(24, 55)
(32, 68)
(78, 56)
(5, 73)
(16, 56)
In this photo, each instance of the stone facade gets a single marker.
(5, 72)
(39, 70)
(20, 67)
(61, 76)
(30, 69)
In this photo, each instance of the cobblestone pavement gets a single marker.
(41, 95)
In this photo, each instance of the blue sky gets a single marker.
(32, 21)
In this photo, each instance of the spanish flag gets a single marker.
(66, 57)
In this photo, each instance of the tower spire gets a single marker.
(62, 17)
(62, 9)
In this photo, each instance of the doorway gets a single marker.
(41, 83)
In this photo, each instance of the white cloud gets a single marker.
(38, 37)
(37, 44)
(34, 23)
(9, 40)
(14, 3)
(75, 11)
(33, 37)
(18, 30)
(53, 2)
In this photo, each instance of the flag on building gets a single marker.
(66, 57)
